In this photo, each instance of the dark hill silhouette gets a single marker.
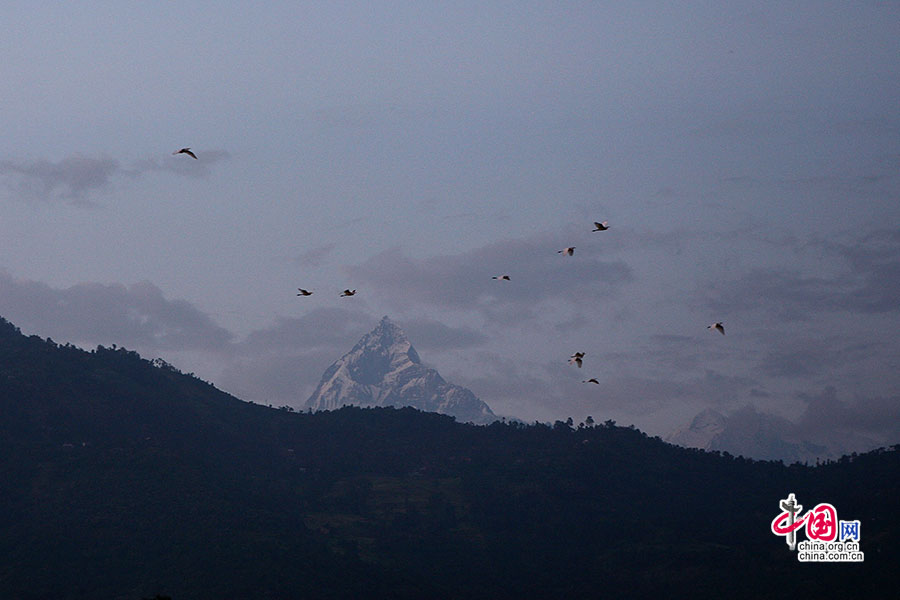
(124, 478)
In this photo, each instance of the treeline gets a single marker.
(124, 478)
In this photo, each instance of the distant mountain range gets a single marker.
(383, 369)
(763, 436)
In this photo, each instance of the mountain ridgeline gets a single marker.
(123, 478)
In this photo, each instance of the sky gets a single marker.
(746, 157)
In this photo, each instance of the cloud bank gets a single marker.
(75, 178)
(136, 316)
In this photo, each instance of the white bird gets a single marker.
(501, 277)
(601, 226)
(718, 327)
(591, 380)
(304, 292)
(186, 151)
(348, 293)
(567, 251)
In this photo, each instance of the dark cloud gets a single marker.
(866, 281)
(874, 416)
(647, 394)
(136, 316)
(684, 354)
(74, 178)
(70, 179)
(514, 388)
(463, 281)
(679, 352)
(281, 364)
(315, 257)
(809, 357)
(327, 328)
(875, 262)
(786, 292)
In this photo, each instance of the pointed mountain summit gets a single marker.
(383, 369)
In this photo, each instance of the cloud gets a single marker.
(69, 179)
(74, 178)
(875, 261)
(281, 363)
(826, 429)
(434, 335)
(463, 281)
(643, 394)
(865, 279)
(679, 352)
(315, 257)
(876, 416)
(789, 293)
(814, 357)
(278, 380)
(136, 316)
(514, 387)
(319, 328)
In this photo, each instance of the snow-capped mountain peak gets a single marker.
(383, 369)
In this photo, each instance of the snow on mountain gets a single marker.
(383, 369)
(701, 432)
(763, 436)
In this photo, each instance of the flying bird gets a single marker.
(718, 327)
(591, 380)
(186, 151)
(348, 293)
(601, 226)
(567, 251)
(303, 292)
(577, 359)
(501, 277)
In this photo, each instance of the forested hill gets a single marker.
(124, 478)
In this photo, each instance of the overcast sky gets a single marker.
(745, 154)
